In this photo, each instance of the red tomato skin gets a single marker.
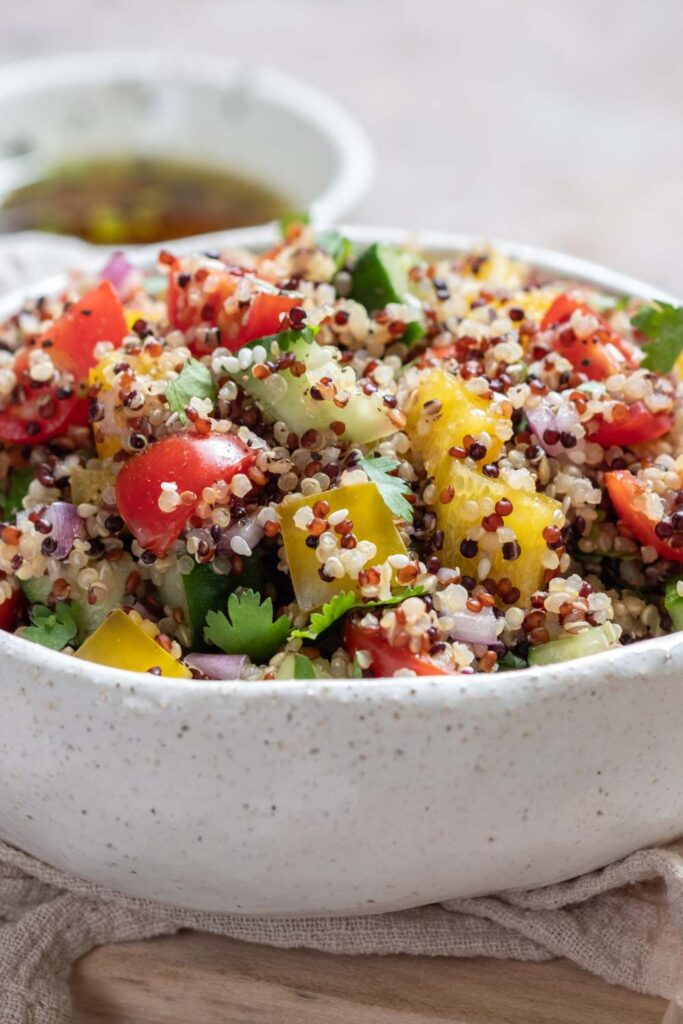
(639, 425)
(590, 356)
(10, 611)
(387, 659)
(623, 488)
(98, 316)
(265, 316)
(191, 461)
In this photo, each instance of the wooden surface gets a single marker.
(203, 979)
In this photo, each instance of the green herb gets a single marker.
(356, 670)
(673, 602)
(52, 629)
(20, 481)
(287, 220)
(413, 333)
(303, 669)
(664, 324)
(341, 249)
(392, 488)
(194, 381)
(249, 627)
(511, 661)
(342, 603)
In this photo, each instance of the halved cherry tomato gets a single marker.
(623, 489)
(183, 315)
(605, 352)
(45, 411)
(638, 425)
(9, 611)
(192, 462)
(387, 659)
(264, 317)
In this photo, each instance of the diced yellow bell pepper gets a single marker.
(532, 513)
(120, 643)
(461, 413)
(372, 521)
(152, 316)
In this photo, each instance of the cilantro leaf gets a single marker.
(248, 628)
(52, 629)
(342, 603)
(303, 669)
(194, 381)
(392, 488)
(287, 220)
(20, 481)
(664, 324)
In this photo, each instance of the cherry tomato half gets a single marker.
(264, 317)
(623, 489)
(45, 412)
(605, 352)
(387, 659)
(192, 462)
(638, 425)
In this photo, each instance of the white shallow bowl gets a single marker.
(349, 796)
(279, 131)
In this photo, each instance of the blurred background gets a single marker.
(556, 122)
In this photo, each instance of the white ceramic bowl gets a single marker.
(344, 797)
(272, 128)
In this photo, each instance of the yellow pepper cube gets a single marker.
(458, 412)
(121, 643)
(372, 521)
(461, 520)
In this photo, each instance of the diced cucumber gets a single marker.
(37, 590)
(88, 616)
(673, 602)
(592, 641)
(298, 666)
(380, 277)
(203, 590)
(299, 401)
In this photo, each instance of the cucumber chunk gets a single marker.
(203, 590)
(591, 641)
(380, 277)
(305, 402)
(673, 602)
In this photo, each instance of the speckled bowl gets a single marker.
(347, 797)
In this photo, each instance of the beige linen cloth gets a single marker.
(623, 923)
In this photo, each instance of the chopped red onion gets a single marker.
(218, 666)
(121, 273)
(475, 627)
(67, 525)
(248, 529)
(562, 420)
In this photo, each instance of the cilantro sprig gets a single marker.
(248, 628)
(13, 501)
(54, 629)
(342, 603)
(663, 323)
(194, 381)
(392, 488)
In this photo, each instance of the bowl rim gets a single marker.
(441, 243)
(333, 122)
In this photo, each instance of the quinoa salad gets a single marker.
(328, 461)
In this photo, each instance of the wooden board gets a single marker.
(203, 979)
